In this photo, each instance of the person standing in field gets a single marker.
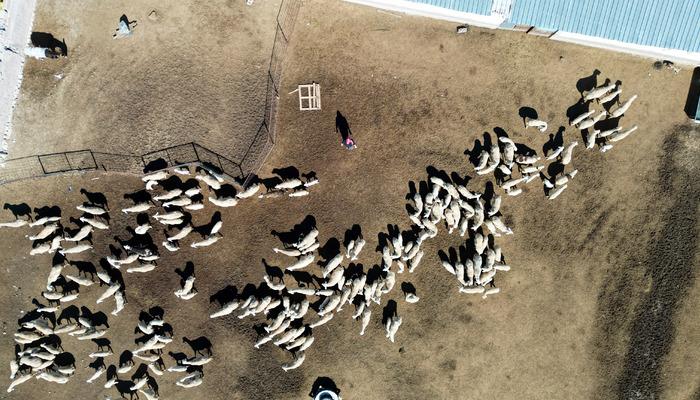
(343, 128)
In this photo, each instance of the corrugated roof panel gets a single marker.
(482, 7)
(660, 23)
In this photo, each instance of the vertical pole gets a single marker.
(194, 147)
(42, 164)
(94, 160)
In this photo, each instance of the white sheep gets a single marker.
(311, 182)
(415, 261)
(609, 132)
(92, 210)
(120, 302)
(489, 169)
(44, 221)
(182, 170)
(590, 140)
(249, 191)
(97, 224)
(536, 123)
(585, 124)
(206, 242)
(411, 298)
(111, 290)
(564, 178)
(41, 249)
(472, 289)
(366, 315)
(14, 224)
(523, 159)
(483, 160)
(169, 195)
(623, 108)
(79, 280)
(148, 392)
(512, 183)
(223, 201)
(329, 304)
(608, 98)
(568, 152)
(599, 92)
(556, 192)
(226, 309)
(138, 208)
(178, 202)
(392, 326)
(44, 233)
(621, 135)
(75, 249)
(155, 176)
(332, 264)
(81, 234)
(289, 184)
(301, 263)
(581, 117)
(209, 180)
(323, 320)
(555, 153)
(296, 363)
(605, 147)
(53, 376)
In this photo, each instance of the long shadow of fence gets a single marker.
(188, 153)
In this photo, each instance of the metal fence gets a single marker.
(88, 160)
(251, 162)
(265, 138)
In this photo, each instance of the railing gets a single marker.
(88, 160)
(251, 162)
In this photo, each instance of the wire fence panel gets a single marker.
(118, 162)
(81, 160)
(20, 168)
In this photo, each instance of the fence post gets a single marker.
(94, 160)
(194, 147)
(42, 164)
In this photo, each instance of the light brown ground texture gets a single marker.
(197, 73)
(601, 301)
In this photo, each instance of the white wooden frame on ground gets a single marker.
(309, 97)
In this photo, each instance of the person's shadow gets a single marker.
(342, 126)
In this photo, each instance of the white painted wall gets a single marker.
(657, 53)
(426, 10)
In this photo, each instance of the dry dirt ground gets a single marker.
(601, 300)
(197, 73)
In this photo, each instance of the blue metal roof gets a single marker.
(660, 23)
(482, 7)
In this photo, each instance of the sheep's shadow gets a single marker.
(199, 345)
(19, 210)
(555, 141)
(587, 83)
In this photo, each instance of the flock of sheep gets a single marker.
(42, 355)
(312, 285)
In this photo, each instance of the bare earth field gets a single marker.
(601, 301)
(197, 73)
